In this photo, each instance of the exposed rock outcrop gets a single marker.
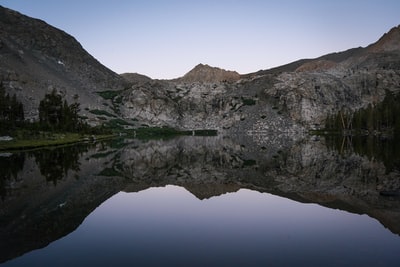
(135, 78)
(296, 96)
(389, 42)
(290, 99)
(36, 58)
(207, 74)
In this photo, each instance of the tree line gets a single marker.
(55, 115)
(373, 131)
(374, 119)
(11, 110)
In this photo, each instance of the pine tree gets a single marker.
(56, 114)
(11, 110)
(2, 102)
(51, 110)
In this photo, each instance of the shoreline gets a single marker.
(56, 141)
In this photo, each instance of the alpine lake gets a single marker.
(203, 201)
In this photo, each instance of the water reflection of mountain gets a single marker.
(34, 212)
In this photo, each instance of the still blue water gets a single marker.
(168, 226)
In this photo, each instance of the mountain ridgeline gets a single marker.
(37, 58)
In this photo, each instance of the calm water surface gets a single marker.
(210, 217)
(168, 226)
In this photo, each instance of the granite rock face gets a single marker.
(297, 96)
(288, 100)
(309, 96)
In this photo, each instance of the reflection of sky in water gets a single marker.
(170, 227)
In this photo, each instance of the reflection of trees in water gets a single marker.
(54, 164)
(10, 165)
(386, 151)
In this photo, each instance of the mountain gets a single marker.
(135, 78)
(288, 100)
(389, 42)
(36, 58)
(208, 74)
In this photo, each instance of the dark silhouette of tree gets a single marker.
(50, 110)
(375, 131)
(10, 167)
(55, 164)
(378, 118)
(11, 110)
(56, 114)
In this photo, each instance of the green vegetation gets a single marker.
(102, 112)
(373, 131)
(109, 95)
(381, 118)
(249, 163)
(117, 124)
(248, 101)
(110, 172)
(157, 132)
(374, 148)
(114, 96)
(55, 114)
(46, 139)
(10, 167)
(166, 132)
(11, 110)
(102, 155)
(54, 164)
(59, 124)
(205, 132)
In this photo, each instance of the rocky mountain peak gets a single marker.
(390, 41)
(37, 57)
(206, 73)
(135, 78)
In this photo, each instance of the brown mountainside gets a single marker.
(389, 42)
(135, 77)
(206, 73)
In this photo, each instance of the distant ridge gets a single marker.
(135, 77)
(390, 41)
(206, 73)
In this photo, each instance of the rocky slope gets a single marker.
(207, 74)
(135, 78)
(343, 81)
(287, 100)
(36, 58)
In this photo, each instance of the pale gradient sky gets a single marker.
(165, 39)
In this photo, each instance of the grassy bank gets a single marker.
(166, 132)
(49, 139)
(24, 139)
